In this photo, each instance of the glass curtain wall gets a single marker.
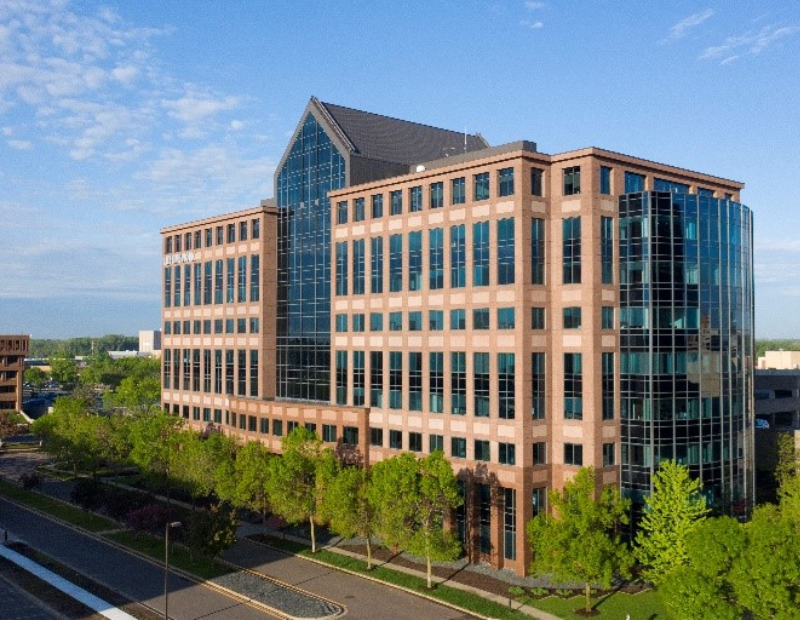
(313, 168)
(686, 343)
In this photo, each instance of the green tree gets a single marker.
(579, 540)
(243, 481)
(701, 588)
(73, 433)
(198, 461)
(673, 509)
(413, 498)
(348, 507)
(64, 370)
(9, 423)
(154, 439)
(210, 532)
(298, 478)
(35, 376)
(788, 464)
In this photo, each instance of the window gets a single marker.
(358, 322)
(341, 212)
(220, 235)
(350, 435)
(607, 384)
(241, 326)
(229, 326)
(607, 317)
(607, 249)
(505, 179)
(277, 428)
(505, 385)
(395, 321)
(608, 454)
(358, 210)
(414, 381)
(395, 380)
(571, 229)
(358, 378)
(231, 233)
(537, 175)
(482, 451)
(377, 206)
(481, 186)
(481, 384)
(242, 295)
(415, 199)
(702, 191)
(728, 196)
(358, 267)
(341, 323)
(458, 319)
(436, 258)
(537, 318)
(458, 447)
(505, 318)
(605, 180)
(218, 326)
(376, 321)
(573, 454)
(540, 453)
(254, 373)
(209, 234)
(458, 256)
(329, 433)
(458, 191)
(187, 282)
(254, 325)
(256, 228)
(458, 383)
(415, 261)
(572, 181)
(341, 377)
(396, 202)
(395, 263)
(507, 454)
(376, 265)
(537, 251)
(663, 185)
(341, 268)
(509, 522)
(573, 386)
(415, 442)
(415, 321)
(376, 437)
(634, 182)
(437, 195)
(396, 440)
(198, 284)
(168, 245)
(208, 282)
(480, 318)
(263, 425)
(167, 286)
(242, 231)
(505, 251)
(435, 442)
(376, 378)
(255, 277)
(480, 254)
(436, 381)
(539, 500)
(572, 317)
(252, 423)
(538, 374)
(176, 298)
(435, 320)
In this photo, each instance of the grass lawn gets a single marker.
(643, 606)
(58, 509)
(179, 556)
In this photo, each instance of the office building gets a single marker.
(150, 342)
(526, 313)
(13, 350)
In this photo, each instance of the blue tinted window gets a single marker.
(437, 195)
(436, 381)
(415, 199)
(480, 254)
(415, 321)
(480, 318)
(458, 383)
(505, 318)
(435, 320)
(396, 202)
(358, 322)
(459, 191)
(395, 263)
(506, 389)
(537, 251)
(634, 182)
(505, 179)
(341, 268)
(415, 261)
(505, 251)
(341, 322)
(358, 210)
(358, 267)
(573, 386)
(436, 258)
(377, 206)
(376, 321)
(482, 186)
(607, 249)
(395, 321)
(572, 250)
(458, 256)
(481, 384)
(376, 265)
(458, 319)
(605, 180)
(572, 180)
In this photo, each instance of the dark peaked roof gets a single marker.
(393, 140)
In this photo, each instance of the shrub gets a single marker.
(31, 480)
(88, 493)
(119, 503)
(151, 518)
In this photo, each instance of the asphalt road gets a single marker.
(134, 578)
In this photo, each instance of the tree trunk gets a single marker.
(588, 591)
(428, 564)
(313, 539)
(369, 553)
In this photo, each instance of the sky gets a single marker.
(120, 118)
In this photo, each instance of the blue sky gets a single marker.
(119, 118)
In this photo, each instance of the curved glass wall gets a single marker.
(313, 168)
(686, 343)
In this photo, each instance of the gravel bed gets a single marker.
(286, 600)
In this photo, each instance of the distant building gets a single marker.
(414, 289)
(150, 342)
(777, 406)
(13, 350)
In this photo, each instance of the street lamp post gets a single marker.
(168, 527)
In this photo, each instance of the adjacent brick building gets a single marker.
(13, 350)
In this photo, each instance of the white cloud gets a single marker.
(680, 29)
(125, 74)
(236, 125)
(748, 44)
(20, 145)
(533, 6)
(195, 107)
(533, 25)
